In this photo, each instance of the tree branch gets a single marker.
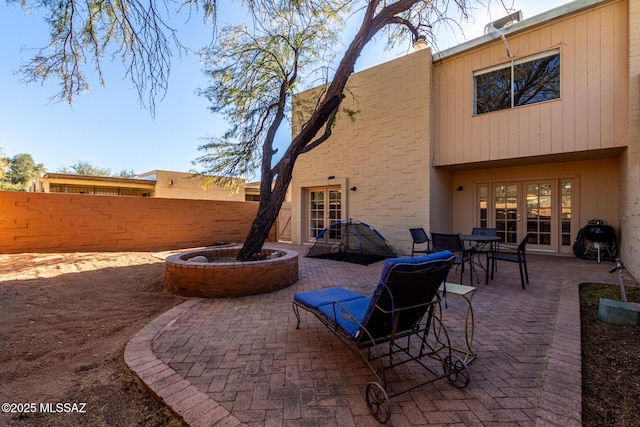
(325, 135)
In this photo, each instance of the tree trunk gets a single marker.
(271, 200)
(268, 210)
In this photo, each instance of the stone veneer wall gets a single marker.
(46, 222)
(384, 152)
(630, 160)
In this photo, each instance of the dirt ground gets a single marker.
(65, 319)
(610, 361)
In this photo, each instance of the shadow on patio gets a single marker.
(243, 362)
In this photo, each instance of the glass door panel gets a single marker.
(483, 205)
(335, 212)
(316, 213)
(506, 212)
(539, 214)
(566, 215)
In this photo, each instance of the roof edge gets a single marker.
(565, 9)
(78, 177)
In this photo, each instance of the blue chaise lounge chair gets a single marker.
(381, 328)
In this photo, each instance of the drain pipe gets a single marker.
(620, 269)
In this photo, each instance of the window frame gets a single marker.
(511, 67)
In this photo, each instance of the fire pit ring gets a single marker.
(216, 274)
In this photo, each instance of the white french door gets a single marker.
(539, 215)
(325, 209)
(544, 209)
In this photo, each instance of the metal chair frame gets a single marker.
(395, 330)
(453, 243)
(519, 256)
(420, 237)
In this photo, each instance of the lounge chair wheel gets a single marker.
(456, 371)
(378, 402)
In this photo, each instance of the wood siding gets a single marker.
(591, 113)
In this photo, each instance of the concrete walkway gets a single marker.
(231, 362)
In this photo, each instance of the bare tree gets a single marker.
(257, 70)
(88, 32)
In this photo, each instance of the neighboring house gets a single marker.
(445, 142)
(88, 184)
(157, 183)
(252, 191)
(180, 185)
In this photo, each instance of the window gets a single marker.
(566, 213)
(523, 81)
(483, 201)
(102, 191)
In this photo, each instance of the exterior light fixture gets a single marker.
(353, 188)
(420, 43)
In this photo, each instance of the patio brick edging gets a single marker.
(561, 400)
(193, 406)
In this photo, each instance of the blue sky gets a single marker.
(107, 125)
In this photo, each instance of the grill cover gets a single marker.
(599, 233)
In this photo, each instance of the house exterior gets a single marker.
(156, 183)
(445, 142)
(182, 185)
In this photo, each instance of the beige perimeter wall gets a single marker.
(46, 222)
(383, 152)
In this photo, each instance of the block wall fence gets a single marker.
(46, 222)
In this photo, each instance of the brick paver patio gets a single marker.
(228, 362)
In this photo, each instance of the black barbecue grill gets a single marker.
(596, 240)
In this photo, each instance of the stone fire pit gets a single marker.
(213, 273)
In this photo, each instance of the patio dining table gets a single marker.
(478, 246)
(480, 239)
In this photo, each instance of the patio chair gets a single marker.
(484, 231)
(486, 248)
(420, 237)
(453, 243)
(518, 256)
(391, 327)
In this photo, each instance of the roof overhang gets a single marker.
(550, 15)
(67, 178)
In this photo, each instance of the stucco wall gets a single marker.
(595, 195)
(384, 152)
(45, 222)
(630, 162)
(180, 185)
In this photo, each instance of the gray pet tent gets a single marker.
(351, 241)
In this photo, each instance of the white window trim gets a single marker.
(511, 64)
